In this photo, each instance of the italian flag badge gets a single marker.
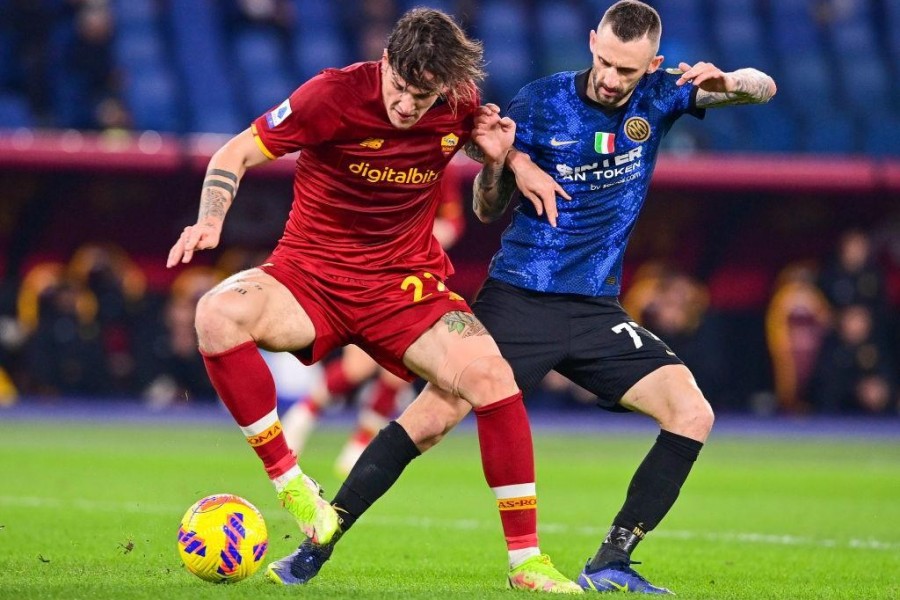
(604, 143)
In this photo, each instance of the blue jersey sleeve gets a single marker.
(682, 99)
(521, 110)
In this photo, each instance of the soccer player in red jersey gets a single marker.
(384, 392)
(358, 263)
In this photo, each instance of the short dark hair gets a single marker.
(430, 41)
(632, 20)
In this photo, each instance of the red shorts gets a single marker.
(383, 316)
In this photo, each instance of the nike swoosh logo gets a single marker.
(555, 142)
(621, 588)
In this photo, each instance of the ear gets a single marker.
(592, 43)
(655, 63)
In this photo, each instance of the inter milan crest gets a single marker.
(637, 129)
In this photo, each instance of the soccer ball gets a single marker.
(222, 538)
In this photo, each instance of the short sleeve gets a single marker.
(310, 116)
(682, 98)
(520, 110)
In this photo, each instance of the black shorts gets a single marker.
(591, 341)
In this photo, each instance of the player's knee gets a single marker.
(486, 380)
(427, 429)
(693, 416)
(219, 321)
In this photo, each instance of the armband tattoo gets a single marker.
(222, 173)
(219, 184)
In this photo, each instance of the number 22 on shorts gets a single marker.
(418, 287)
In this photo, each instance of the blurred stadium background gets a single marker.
(768, 255)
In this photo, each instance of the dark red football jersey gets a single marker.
(365, 192)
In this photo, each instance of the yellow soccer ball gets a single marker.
(222, 538)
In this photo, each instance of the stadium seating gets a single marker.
(201, 58)
(318, 43)
(835, 61)
(506, 48)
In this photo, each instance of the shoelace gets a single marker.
(626, 566)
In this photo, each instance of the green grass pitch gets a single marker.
(90, 510)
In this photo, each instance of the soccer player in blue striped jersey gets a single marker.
(585, 147)
(591, 138)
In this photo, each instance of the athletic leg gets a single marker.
(249, 309)
(671, 397)
(460, 357)
(375, 413)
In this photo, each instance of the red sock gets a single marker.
(384, 399)
(336, 380)
(245, 385)
(313, 408)
(363, 436)
(507, 457)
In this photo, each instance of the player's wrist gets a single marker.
(516, 159)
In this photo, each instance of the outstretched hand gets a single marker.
(538, 187)
(201, 236)
(492, 134)
(706, 76)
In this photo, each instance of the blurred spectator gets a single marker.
(854, 373)
(853, 276)
(677, 312)
(90, 74)
(274, 15)
(29, 25)
(64, 354)
(797, 320)
(171, 367)
(118, 286)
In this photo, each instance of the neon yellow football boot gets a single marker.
(539, 575)
(302, 497)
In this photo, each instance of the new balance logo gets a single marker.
(556, 143)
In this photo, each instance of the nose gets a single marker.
(609, 79)
(407, 104)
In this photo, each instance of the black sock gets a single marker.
(379, 466)
(652, 492)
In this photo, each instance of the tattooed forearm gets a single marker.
(222, 173)
(491, 192)
(474, 152)
(213, 203)
(749, 87)
(463, 323)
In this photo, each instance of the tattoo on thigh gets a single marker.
(242, 286)
(463, 323)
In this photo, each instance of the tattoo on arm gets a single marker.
(492, 192)
(473, 151)
(219, 184)
(463, 323)
(213, 203)
(222, 173)
(751, 87)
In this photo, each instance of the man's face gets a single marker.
(618, 66)
(405, 104)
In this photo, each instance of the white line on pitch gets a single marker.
(471, 524)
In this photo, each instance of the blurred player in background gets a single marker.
(384, 392)
(592, 138)
(358, 263)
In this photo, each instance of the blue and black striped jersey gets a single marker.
(604, 159)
